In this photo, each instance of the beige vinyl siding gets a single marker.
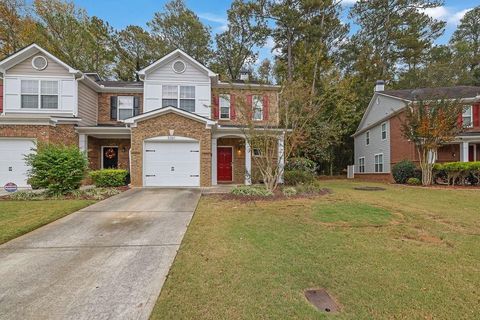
(25, 68)
(165, 72)
(87, 105)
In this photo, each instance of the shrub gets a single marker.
(95, 193)
(458, 172)
(27, 195)
(259, 191)
(109, 177)
(294, 177)
(403, 170)
(301, 164)
(310, 188)
(57, 168)
(414, 181)
(289, 191)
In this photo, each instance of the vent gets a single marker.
(179, 66)
(39, 63)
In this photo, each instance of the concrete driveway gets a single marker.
(107, 261)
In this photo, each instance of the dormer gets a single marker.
(177, 80)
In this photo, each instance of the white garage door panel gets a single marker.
(12, 163)
(172, 164)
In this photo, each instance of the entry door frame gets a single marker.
(101, 154)
(232, 165)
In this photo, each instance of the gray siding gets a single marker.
(87, 105)
(165, 72)
(25, 68)
(380, 107)
(376, 146)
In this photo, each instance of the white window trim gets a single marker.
(178, 95)
(361, 165)
(470, 115)
(118, 106)
(39, 94)
(375, 163)
(254, 105)
(382, 131)
(367, 138)
(228, 97)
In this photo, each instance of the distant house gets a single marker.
(379, 143)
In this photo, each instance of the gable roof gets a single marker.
(165, 110)
(455, 92)
(28, 51)
(176, 52)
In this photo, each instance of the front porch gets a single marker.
(464, 151)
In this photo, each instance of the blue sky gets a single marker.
(120, 13)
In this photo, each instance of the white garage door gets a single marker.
(171, 164)
(12, 163)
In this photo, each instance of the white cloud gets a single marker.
(447, 14)
(215, 18)
(349, 2)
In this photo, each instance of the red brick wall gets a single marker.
(95, 149)
(374, 177)
(64, 134)
(104, 106)
(400, 148)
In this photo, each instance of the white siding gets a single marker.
(379, 108)
(376, 146)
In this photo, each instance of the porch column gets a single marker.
(214, 162)
(281, 156)
(83, 143)
(464, 151)
(248, 164)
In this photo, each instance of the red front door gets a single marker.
(224, 164)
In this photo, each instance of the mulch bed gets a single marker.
(69, 196)
(277, 196)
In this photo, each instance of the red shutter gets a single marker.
(1, 98)
(216, 104)
(233, 114)
(266, 110)
(250, 106)
(476, 115)
(460, 120)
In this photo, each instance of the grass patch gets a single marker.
(20, 217)
(353, 214)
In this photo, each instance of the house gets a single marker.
(379, 143)
(177, 127)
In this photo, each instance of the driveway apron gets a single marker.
(107, 261)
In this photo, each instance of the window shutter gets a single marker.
(476, 115)
(113, 108)
(250, 106)
(233, 113)
(265, 107)
(1, 98)
(216, 106)
(136, 106)
(460, 120)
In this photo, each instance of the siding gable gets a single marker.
(165, 72)
(380, 107)
(25, 68)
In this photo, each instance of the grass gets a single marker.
(402, 253)
(20, 217)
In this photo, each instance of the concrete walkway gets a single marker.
(107, 261)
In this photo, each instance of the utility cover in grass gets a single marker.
(350, 213)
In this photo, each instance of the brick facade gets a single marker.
(183, 127)
(104, 106)
(95, 152)
(374, 177)
(59, 134)
(238, 155)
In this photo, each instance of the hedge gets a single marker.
(458, 172)
(109, 177)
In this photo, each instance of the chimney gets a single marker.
(379, 86)
(244, 75)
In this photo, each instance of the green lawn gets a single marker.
(20, 217)
(403, 253)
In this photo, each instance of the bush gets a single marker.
(301, 164)
(458, 172)
(295, 177)
(310, 188)
(57, 168)
(109, 177)
(404, 170)
(251, 191)
(289, 191)
(414, 181)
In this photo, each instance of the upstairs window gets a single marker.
(170, 96)
(225, 106)
(39, 94)
(182, 97)
(367, 138)
(257, 105)
(125, 107)
(384, 131)
(379, 162)
(361, 164)
(467, 117)
(187, 98)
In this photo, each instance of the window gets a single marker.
(379, 162)
(257, 152)
(224, 106)
(467, 117)
(182, 97)
(125, 107)
(257, 105)
(39, 94)
(384, 131)
(361, 164)
(367, 138)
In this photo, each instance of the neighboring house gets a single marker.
(379, 142)
(163, 129)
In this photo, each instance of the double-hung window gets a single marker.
(257, 105)
(39, 94)
(125, 107)
(384, 131)
(467, 117)
(225, 106)
(379, 162)
(182, 97)
(367, 138)
(361, 164)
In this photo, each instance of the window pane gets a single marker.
(125, 102)
(169, 102)
(49, 102)
(257, 108)
(29, 102)
(467, 121)
(29, 87)
(170, 92)
(125, 114)
(49, 87)
(224, 113)
(187, 92)
(187, 105)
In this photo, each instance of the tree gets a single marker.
(179, 27)
(136, 49)
(235, 46)
(429, 124)
(265, 72)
